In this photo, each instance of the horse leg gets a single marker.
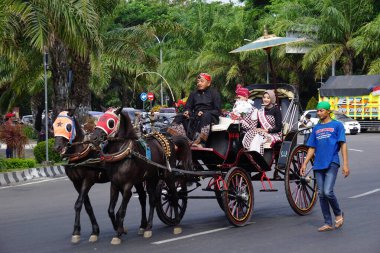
(94, 223)
(83, 190)
(114, 195)
(127, 194)
(142, 198)
(172, 187)
(151, 188)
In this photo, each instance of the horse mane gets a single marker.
(126, 129)
(79, 132)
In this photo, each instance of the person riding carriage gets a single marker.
(202, 109)
(268, 124)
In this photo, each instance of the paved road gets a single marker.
(38, 217)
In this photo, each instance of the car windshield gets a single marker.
(313, 114)
(342, 117)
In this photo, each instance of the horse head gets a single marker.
(108, 125)
(66, 131)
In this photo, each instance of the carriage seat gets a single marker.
(223, 125)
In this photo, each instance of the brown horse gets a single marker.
(69, 142)
(133, 169)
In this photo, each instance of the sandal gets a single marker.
(339, 222)
(325, 228)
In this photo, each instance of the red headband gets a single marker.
(205, 76)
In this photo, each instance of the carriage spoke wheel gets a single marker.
(166, 202)
(301, 192)
(238, 198)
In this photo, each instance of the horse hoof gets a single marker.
(148, 234)
(177, 230)
(141, 231)
(93, 238)
(116, 241)
(75, 238)
(125, 230)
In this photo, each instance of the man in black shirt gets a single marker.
(202, 109)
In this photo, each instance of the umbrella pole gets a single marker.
(268, 60)
(274, 79)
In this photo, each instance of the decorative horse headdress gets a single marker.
(64, 126)
(109, 122)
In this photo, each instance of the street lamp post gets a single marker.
(46, 62)
(160, 42)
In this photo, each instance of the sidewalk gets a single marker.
(27, 146)
(28, 149)
(9, 178)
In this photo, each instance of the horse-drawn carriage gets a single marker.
(231, 169)
(127, 161)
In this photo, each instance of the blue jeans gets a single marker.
(325, 182)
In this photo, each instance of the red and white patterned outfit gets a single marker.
(269, 119)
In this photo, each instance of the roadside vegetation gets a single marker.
(97, 48)
(105, 53)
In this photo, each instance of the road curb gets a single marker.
(8, 178)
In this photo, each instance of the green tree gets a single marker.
(331, 24)
(68, 31)
(367, 44)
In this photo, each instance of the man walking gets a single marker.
(325, 141)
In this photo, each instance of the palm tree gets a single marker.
(123, 57)
(367, 43)
(332, 24)
(67, 30)
(214, 30)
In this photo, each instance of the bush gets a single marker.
(40, 150)
(16, 163)
(30, 132)
(312, 104)
(13, 135)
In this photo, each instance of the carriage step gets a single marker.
(268, 190)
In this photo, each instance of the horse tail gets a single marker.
(183, 152)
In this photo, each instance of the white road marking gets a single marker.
(357, 150)
(195, 235)
(36, 182)
(364, 194)
(192, 235)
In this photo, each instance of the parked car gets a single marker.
(351, 126)
(27, 120)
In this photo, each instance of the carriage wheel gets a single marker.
(165, 202)
(238, 198)
(301, 192)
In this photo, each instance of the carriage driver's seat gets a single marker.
(218, 139)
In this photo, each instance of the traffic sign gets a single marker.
(150, 96)
(143, 96)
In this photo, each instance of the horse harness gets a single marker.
(79, 155)
(127, 151)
